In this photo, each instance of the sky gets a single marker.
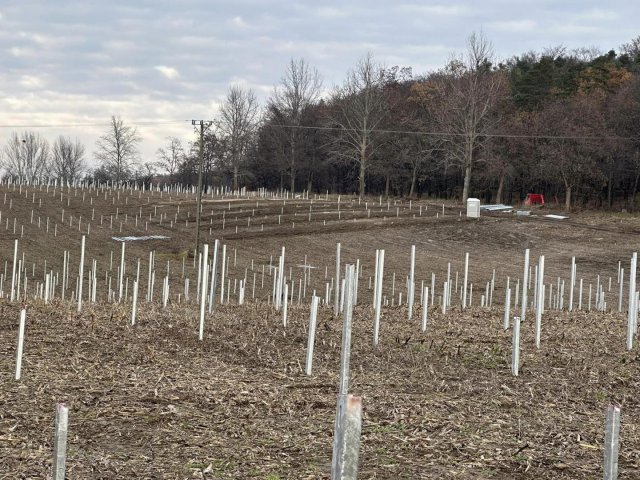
(67, 66)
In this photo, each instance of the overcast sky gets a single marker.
(79, 62)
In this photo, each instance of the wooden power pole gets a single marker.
(202, 124)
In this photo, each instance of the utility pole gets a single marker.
(202, 124)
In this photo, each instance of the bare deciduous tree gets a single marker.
(170, 158)
(574, 158)
(586, 54)
(463, 103)
(359, 107)
(118, 150)
(237, 123)
(299, 89)
(143, 173)
(68, 159)
(632, 49)
(26, 156)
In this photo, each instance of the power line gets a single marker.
(101, 124)
(338, 129)
(454, 134)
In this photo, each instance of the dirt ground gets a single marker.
(151, 401)
(264, 226)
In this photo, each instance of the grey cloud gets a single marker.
(87, 60)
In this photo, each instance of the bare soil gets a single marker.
(151, 401)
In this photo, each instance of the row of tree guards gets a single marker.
(349, 407)
(324, 211)
(551, 295)
(215, 284)
(47, 287)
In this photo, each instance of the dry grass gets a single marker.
(151, 401)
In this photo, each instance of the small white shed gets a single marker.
(473, 208)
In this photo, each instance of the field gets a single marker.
(152, 401)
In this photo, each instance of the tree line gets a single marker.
(562, 123)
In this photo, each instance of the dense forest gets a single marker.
(565, 124)
(562, 123)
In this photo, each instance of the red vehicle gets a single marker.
(534, 199)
